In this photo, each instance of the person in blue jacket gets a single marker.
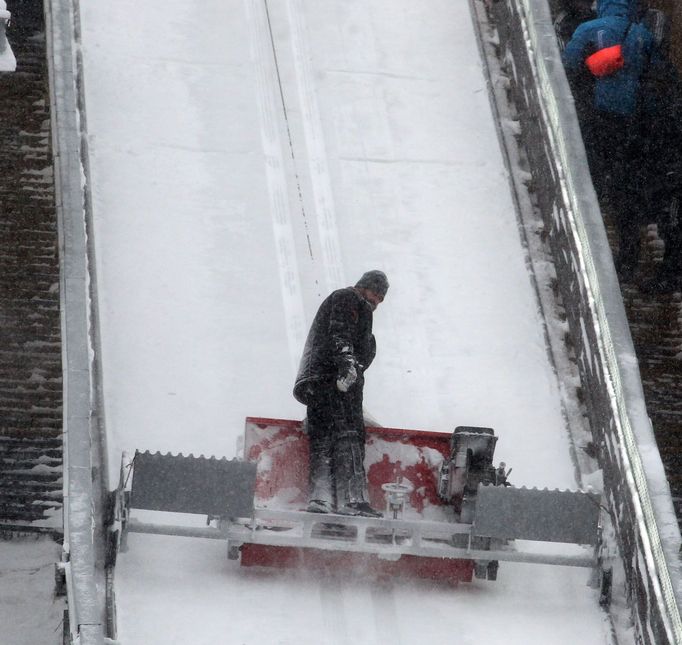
(612, 130)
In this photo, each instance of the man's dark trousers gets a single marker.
(336, 433)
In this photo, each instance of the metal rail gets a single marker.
(383, 537)
(634, 480)
(85, 605)
(209, 532)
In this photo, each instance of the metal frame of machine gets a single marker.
(450, 513)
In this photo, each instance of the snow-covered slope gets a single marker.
(247, 157)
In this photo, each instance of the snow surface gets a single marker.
(8, 62)
(220, 225)
(29, 610)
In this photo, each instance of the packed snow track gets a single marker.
(246, 158)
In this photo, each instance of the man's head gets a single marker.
(373, 286)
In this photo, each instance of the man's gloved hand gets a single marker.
(348, 374)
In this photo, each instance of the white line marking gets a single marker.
(270, 112)
(323, 197)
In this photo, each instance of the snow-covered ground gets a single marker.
(8, 62)
(232, 191)
(29, 610)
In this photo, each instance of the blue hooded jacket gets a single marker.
(617, 93)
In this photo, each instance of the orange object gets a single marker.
(606, 61)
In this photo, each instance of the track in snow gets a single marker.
(210, 273)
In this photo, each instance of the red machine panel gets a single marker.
(280, 448)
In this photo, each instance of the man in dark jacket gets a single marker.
(339, 348)
(612, 130)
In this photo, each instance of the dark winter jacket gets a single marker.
(617, 93)
(341, 332)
